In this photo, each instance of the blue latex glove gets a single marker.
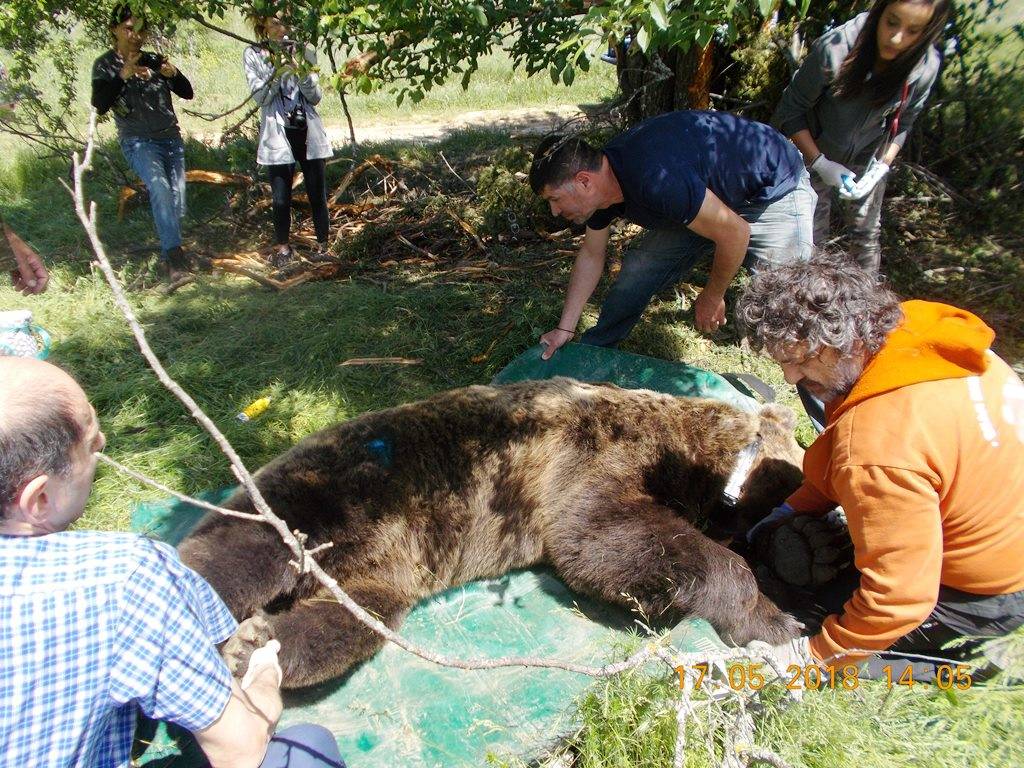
(777, 516)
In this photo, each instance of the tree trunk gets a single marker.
(664, 80)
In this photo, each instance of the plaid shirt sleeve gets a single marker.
(166, 657)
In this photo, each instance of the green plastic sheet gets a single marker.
(596, 364)
(397, 710)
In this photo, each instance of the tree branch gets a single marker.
(180, 496)
(88, 220)
(211, 117)
(227, 33)
(344, 101)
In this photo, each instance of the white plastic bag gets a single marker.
(20, 337)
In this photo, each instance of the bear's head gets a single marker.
(775, 473)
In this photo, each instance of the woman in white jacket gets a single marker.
(290, 128)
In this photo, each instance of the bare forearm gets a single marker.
(806, 144)
(265, 695)
(729, 254)
(586, 273)
(240, 736)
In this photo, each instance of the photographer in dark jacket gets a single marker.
(137, 86)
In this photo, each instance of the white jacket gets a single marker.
(265, 89)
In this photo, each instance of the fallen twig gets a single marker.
(455, 173)
(501, 334)
(404, 241)
(468, 230)
(228, 265)
(181, 282)
(373, 161)
(381, 361)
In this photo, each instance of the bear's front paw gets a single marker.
(253, 633)
(805, 551)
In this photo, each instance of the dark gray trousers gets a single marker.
(956, 615)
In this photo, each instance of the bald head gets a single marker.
(27, 385)
(45, 418)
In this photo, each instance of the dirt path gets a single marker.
(532, 120)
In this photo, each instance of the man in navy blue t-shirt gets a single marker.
(700, 183)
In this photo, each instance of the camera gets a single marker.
(296, 117)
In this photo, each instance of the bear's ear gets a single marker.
(778, 417)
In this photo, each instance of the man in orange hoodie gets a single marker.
(923, 448)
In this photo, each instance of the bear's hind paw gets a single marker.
(253, 633)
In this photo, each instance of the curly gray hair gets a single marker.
(828, 301)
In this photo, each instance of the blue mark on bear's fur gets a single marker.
(381, 451)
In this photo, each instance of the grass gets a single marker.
(630, 720)
(228, 343)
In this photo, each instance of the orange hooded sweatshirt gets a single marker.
(926, 456)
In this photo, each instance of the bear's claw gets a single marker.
(253, 633)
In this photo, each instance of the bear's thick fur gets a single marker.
(606, 485)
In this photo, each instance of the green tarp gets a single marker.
(398, 711)
(594, 364)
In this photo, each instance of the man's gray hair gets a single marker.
(828, 301)
(37, 441)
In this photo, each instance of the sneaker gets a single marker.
(279, 258)
(322, 255)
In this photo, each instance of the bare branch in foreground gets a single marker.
(180, 496)
(88, 221)
(302, 556)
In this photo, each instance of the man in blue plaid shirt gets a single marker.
(96, 627)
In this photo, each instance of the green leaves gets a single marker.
(643, 38)
(659, 13)
(417, 44)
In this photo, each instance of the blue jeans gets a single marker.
(160, 163)
(780, 231)
(303, 746)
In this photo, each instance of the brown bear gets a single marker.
(606, 485)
